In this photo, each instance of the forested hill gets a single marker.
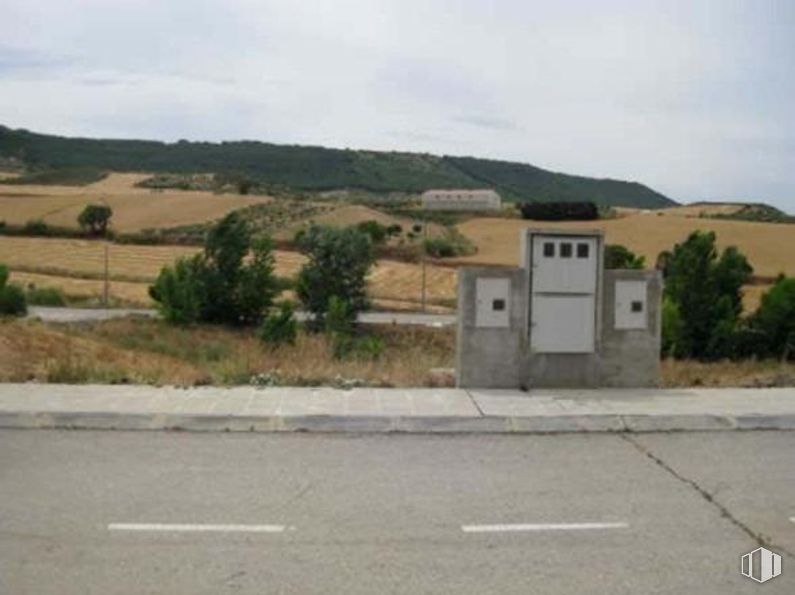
(318, 168)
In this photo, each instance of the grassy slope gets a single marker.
(147, 351)
(317, 168)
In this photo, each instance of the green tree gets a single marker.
(621, 257)
(178, 291)
(339, 260)
(12, 297)
(280, 327)
(706, 290)
(95, 219)
(775, 318)
(218, 285)
(377, 232)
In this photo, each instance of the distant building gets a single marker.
(461, 200)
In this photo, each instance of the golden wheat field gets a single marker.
(134, 208)
(769, 246)
(77, 267)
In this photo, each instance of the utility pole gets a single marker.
(424, 257)
(106, 288)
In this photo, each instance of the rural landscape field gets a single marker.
(163, 213)
(77, 265)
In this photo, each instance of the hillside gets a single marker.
(318, 168)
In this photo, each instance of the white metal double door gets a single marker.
(563, 294)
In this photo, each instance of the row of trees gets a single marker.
(232, 281)
(702, 305)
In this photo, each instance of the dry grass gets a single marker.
(769, 246)
(151, 352)
(77, 267)
(402, 282)
(89, 290)
(748, 373)
(34, 351)
(85, 258)
(134, 208)
(706, 210)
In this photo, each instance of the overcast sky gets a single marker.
(695, 98)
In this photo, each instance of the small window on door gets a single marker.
(498, 305)
(549, 249)
(637, 306)
(565, 250)
(583, 250)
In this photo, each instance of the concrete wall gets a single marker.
(631, 358)
(501, 358)
(490, 357)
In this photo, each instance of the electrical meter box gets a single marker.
(563, 276)
(558, 320)
(492, 306)
(630, 305)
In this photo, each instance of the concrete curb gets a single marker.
(393, 424)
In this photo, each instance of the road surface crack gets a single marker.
(759, 538)
(475, 403)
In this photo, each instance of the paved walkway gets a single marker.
(392, 410)
(54, 314)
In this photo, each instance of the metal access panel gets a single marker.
(492, 303)
(563, 299)
(564, 264)
(630, 306)
(562, 324)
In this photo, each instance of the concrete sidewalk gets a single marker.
(392, 410)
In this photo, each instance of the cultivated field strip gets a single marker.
(769, 246)
(78, 267)
(134, 208)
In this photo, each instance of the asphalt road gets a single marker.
(148, 512)
(58, 314)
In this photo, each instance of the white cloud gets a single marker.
(693, 99)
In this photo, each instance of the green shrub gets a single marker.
(621, 257)
(178, 291)
(36, 227)
(369, 347)
(95, 219)
(559, 211)
(366, 347)
(338, 325)
(12, 301)
(231, 282)
(339, 260)
(12, 297)
(377, 232)
(45, 296)
(280, 327)
(453, 243)
(706, 288)
(439, 247)
(775, 319)
(671, 327)
(339, 317)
